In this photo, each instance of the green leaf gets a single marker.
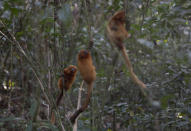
(19, 34)
(6, 6)
(47, 20)
(11, 83)
(164, 100)
(15, 11)
(187, 22)
(165, 41)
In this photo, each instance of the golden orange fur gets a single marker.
(117, 33)
(88, 73)
(69, 76)
(85, 66)
(116, 30)
(64, 83)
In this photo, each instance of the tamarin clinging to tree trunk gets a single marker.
(88, 73)
(65, 83)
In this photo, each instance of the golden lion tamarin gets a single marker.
(88, 73)
(117, 33)
(116, 30)
(64, 83)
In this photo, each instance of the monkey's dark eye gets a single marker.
(73, 70)
(85, 52)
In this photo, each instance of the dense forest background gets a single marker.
(39, 38)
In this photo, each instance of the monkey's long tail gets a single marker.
(57, 103)
(144, 89)
(52, 118)
(59, 98)
(130, 68)
(85, 104)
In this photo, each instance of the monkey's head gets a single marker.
(70, 70)
(116, 29)
(84, 54)
(119, 17)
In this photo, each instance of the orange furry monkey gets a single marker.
(88, 73)
(116, 30)
(64, 83)
(117, 33)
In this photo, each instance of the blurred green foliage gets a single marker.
(52, 32)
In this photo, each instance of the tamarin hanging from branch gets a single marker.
(88, 73)
(65, 83)
(117, 33)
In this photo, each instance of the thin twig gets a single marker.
(78, 105)
(88, 16)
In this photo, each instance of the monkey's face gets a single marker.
(70, 70)
(83, 54)
(116, 28)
